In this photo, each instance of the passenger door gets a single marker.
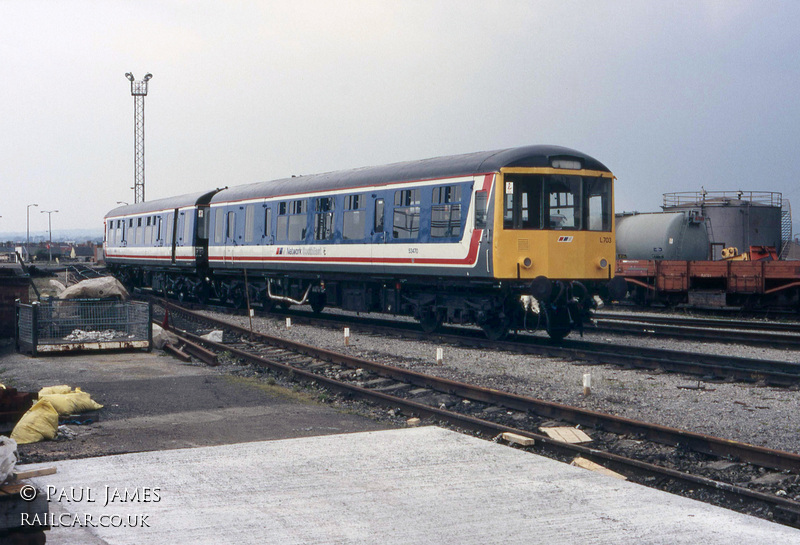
(230, 238)
(378, 234)
(172, 227)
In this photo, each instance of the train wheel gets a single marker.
(558, 322)
(238, 296)
(429, 320)
(201, 292)
(495, 327)
(317, 302)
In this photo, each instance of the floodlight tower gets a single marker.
(139, 91)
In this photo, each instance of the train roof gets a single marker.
(168, 203)
(426, 169)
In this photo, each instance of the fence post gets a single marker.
(149, 326)
(34, 327)
(16, 324)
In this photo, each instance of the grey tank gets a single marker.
(737, 219)
(662, 235)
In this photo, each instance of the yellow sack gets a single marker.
(72, 403)
(40, 422)
(63, 389)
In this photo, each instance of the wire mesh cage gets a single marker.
(82, 324)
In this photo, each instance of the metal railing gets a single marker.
(82, 324)
(700, 198)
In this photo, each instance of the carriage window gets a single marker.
(292, 220)
(231, 231)
(139, 231)
(283, 221)
(168, 234)
(187, 229)
(522, 202)
(446, 217)
(598, 204)
(323, 219)
(481, 199)
(354, 224)
(378, 224)
(249, 222)
(219, 225)
(448, 193)
(405, 220)
(563, 195)
(267, 221)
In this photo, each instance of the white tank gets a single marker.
(662, 235)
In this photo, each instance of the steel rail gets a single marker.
(772, 372)
(662, 434)
(782, 327)
(787, 511)
(685, 329)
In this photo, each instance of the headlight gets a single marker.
(602, 263)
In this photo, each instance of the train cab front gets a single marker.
(554, 241)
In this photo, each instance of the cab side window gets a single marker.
(405, 220)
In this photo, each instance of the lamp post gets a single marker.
(138, 91)
(28, 240)
(50, 231)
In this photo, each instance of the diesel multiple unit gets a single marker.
(508, 239)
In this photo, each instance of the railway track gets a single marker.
(754, 333)
(619, 444)
(709, 367)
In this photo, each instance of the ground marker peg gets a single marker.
(347, 336)
(439, 356)
(288, 323)
(587, 384)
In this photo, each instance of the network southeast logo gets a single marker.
(565, 239)
(305, 250)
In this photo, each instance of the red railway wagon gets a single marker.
(743, 284)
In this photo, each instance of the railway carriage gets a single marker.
(504, 239)
(161, 244)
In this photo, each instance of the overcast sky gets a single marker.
(671, 95)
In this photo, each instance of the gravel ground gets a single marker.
(755, 414)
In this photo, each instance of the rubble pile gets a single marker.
(81, 336)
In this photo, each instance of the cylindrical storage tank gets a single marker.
(662, 235)
(736, 219)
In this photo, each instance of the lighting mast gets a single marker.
(139, 91)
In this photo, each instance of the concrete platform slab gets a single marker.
(420, 486)
(154, 402)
